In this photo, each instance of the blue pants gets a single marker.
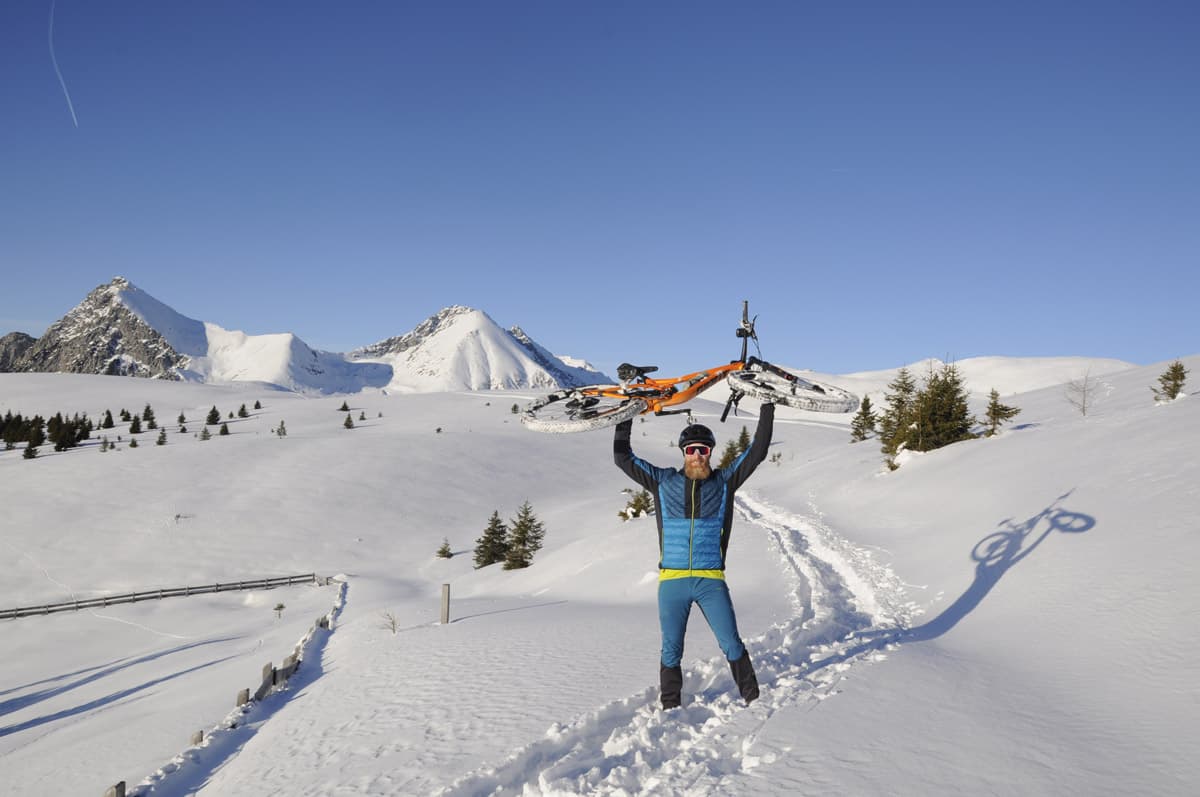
(675, 599)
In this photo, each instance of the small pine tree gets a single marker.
(258, 405)
(224, 429)
(243, 412)
(863, 425)
(729, 454)
(108, 420)
(444, 552)
(897, 418)
(362, 416)
(133, 443)
(214, 417)
(492, 547)
(743, 440)
(205, 434)
(349, 422)
(642, 503)
(998, 413)
(282, 430)
(941, 413)
(162, 438)
(1170, 384)
(148, 415)
(103, 444)
(525, 537)
(135, 425)
(31, 451)
(230, 415)
(182, 419)
(516, 410)
(345, 407)
(183, 430)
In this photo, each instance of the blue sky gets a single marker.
(883, 181)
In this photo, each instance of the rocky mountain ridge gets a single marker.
(120, 330)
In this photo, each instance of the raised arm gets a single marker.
(634, 466)
(750, 459)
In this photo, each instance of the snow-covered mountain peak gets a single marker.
(462, 348)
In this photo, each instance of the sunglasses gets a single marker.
(697, 450)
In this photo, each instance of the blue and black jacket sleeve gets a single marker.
(753, 456)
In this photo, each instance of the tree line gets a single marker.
(937, 414)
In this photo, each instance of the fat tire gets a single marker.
(765, 387)
(537, 417)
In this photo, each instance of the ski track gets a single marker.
(841, 597)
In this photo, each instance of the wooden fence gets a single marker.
(158, 594)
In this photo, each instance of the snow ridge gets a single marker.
(631, 747)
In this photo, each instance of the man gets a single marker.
(695, 515)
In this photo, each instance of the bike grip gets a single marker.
(725, 414)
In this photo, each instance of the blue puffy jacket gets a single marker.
(694, 515)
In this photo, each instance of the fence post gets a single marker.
(445, 604)
(197, 738)
(243, 697)
(116, 791)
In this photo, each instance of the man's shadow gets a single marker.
(993, 555)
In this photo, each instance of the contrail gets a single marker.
(58, 71)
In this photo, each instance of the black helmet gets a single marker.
(697, 433)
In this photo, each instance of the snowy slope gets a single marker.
(1007, 616)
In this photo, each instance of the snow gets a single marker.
(1008, 615)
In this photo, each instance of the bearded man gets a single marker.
(694, 516)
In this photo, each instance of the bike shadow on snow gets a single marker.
(994, 555)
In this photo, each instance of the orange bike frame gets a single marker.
(662, 393)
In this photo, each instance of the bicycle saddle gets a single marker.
(628, 373)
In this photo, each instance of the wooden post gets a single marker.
(197, 738)
(116, 791)
(243, 697)
(445, 604)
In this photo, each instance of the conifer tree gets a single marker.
(243, 412)
(162, 438)
(524, 538)
(148, 416)
(205, 434)
(864, 422)
(492, 547)
(258, 405)
(941, 413)
(728, 454)
(224, 429)
(998, 413)
(642, 503)
(897, 417)
(214, 417)
(1170, 383)
(345, 407)
(349, 422)
(135, 425)
(133, 443)
(182, 419)
(282, 430)
(34, 438)
(444, 552)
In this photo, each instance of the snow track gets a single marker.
(841, 597)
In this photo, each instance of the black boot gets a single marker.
(670, 680)
(743, 676)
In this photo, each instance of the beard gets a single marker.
(697, 470)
